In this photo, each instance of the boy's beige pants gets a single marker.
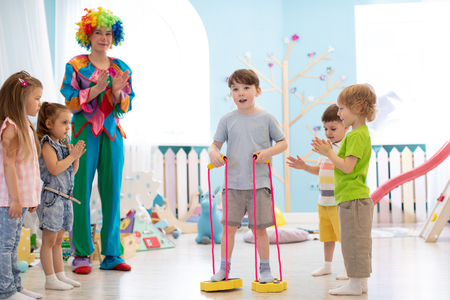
(355, 221)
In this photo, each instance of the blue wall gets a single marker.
(234, 27)
(260, 26)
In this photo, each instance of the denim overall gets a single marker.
(55, 211)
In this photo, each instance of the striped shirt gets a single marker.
(28, 176)
(326, 175)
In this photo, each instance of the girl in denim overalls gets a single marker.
(58, 164)
(20, 184)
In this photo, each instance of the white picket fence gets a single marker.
(408, 202)
(180, 175)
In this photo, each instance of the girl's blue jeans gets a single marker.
(10, 229)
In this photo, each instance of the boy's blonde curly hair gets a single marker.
(360, 94)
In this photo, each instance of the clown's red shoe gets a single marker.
(114, 263)
(122, 267)
(81, 265)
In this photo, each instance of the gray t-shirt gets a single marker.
(244, 135)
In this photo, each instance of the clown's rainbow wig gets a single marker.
(95, 19)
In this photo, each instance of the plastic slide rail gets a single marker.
(424, 168)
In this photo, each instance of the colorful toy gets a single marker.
(141, 190)
(150, 237)
(162, 224)
(23, 266)
(126, 226)
(438, 218)
(142, 196)
(159, 200)
(33, 242)
(165, 212)
(209, 213)
(176, 233)
(23, 250)
(66, 254)
(66, 250)
(279, 217)
(434, 217)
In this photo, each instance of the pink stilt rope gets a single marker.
(274, 219)
(226, 218)
(254, 219)
(210, 219)
(228, 283)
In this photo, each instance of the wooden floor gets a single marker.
(403, 268)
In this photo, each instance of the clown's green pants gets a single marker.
(107, 158)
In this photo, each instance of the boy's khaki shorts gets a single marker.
(241, 201)
(355, 218)
(329, 224)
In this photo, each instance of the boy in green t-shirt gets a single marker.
(357, 105)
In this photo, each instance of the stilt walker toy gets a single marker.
(278, 285)
(228, 283)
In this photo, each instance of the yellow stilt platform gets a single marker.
(211, 286)
(275, 286)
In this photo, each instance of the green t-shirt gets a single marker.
(353, 186)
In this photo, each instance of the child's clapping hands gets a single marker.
(321, 146)
(296, 163)
(77, 150)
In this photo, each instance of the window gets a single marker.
(401, 50)
(167, 49)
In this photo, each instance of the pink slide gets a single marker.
(424, 168)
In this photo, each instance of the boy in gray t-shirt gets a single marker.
(247, 130)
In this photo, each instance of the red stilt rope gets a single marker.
(274, 218)
(210, 166)
(226, 218)
(254, 219)
(210, 219)
(275, 221)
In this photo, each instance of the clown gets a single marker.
(98, 91)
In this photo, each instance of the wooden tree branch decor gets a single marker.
(307, 104)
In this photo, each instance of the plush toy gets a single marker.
(204, 223)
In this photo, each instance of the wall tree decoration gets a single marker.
(307, 103)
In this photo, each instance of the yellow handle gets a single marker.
(256, 155)
(210, 165)
(434, 217)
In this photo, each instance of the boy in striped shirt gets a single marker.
(328, 215)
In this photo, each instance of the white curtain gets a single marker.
(24, 43)
(167, 49)
(24, 46)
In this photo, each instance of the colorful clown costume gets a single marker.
(97, 124)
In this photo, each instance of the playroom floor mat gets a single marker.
(394, 232)
(388, 232)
